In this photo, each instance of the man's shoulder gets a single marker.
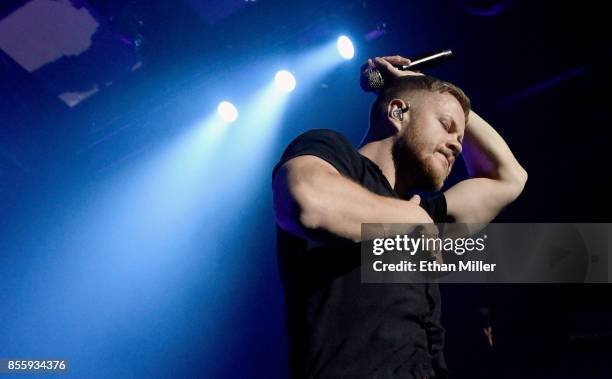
(326, 144)
(323, 141)
(327, 134)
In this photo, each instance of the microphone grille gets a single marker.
(371, 80)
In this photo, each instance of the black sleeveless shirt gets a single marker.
(338, 326)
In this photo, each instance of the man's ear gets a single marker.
(396, 112)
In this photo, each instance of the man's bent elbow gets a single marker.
(299, 200)
(293, 204)
(308, 212)
(518, 182)
(522, 177)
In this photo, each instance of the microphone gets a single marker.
(372, 80)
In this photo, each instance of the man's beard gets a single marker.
(412, 170)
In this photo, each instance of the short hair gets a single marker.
(401, 86)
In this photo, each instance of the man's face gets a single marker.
(431, 140)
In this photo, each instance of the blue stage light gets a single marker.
(345, 47)
(227, 111)
(284, 81)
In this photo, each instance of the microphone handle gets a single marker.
(427, 61)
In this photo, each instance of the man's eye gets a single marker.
(444, 125)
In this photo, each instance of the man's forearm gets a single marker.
(343, 205)
(487, 155)
(325, 206)
(496, 177)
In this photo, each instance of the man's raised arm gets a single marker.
(314, 201)
(496, 177)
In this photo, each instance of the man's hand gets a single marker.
(386, 66)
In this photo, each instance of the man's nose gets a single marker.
(455, 147)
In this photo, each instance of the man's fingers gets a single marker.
(415, 199)
(386, 66)
(379, 61)
(397, 60)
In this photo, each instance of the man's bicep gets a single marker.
(477, 200)
(292, 188)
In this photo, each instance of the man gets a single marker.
(324, 189)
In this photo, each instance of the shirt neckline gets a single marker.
(384, 178)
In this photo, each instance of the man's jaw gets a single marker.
(444, 159)
(448, 156)
(435, 171)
